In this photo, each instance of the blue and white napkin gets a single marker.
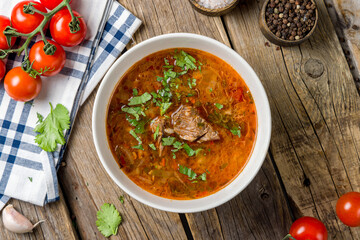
(26, 171)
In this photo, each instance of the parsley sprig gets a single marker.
(108, 220)
(191, 174)
(51, 130)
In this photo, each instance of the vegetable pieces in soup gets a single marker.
(181, 123)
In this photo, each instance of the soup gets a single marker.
(181, 123)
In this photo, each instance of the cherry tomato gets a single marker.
(2, 69)
(41, 61)
(308, 228)
(4, 22)
(51, 4)
(21, 86)
(348, 209)
(60, 30)
(24, 22)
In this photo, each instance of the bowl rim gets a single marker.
(262, 151)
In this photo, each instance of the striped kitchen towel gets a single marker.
(26, 171)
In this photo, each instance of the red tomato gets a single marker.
(60, 30)
(51, 4)
(24, 22)
(4, 22)
(308, 228)
(348, 209)
(41, 61)
(2, 69)
(21, 86)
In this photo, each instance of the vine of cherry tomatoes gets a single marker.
(46, 57)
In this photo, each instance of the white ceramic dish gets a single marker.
(181, 40)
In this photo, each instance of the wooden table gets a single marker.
(312, 160)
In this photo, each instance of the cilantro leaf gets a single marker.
(236, 131)
(189, 150)
(121, 198)
(219, 106)
(135, 111)
(135, 92)
(156, 134)
(187, 171)
(138, 147)
(140, 99)
(135, 136)
(168, 141)
(202, 177)
(152, 146)
(51, 129)
(108, 220)
(164, 107)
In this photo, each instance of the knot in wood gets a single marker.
(314, 68)
(264, 196)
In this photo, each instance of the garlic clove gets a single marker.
(16, 222)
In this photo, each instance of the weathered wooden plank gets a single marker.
(345, 15)
(58, 224)
(315, 120)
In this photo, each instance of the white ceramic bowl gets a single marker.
(181, 40)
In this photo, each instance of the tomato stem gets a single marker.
(288, 236)
(74, 25)
(10, 32)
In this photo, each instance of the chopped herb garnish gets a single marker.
(169, 74)
(135, 111)
(174, 156)
(121, 198)
(187, 171)
(191, 174)
(191, 83)
(219, 106)
(177, 145)
(164, 107)
(140, 126)
(140, 99)
(185, 61)
(236, 131)
(156, 134)
(152, 146)
(138, 147)
(135, 92)
(168, 141)
(30, 179)
(135, 136)
(210, 90)
(166, 61)
(197, 151)
(190, 152)
(202, 177)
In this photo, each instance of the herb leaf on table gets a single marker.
(51, 129)
(108, 220)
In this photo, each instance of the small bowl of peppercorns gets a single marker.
(288, 22)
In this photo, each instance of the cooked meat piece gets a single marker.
(191, 127)
(158, 122)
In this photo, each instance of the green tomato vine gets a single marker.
(49, 48)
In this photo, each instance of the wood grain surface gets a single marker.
(313, 157)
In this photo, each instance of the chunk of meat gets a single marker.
(155, 123)
(191, 127)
